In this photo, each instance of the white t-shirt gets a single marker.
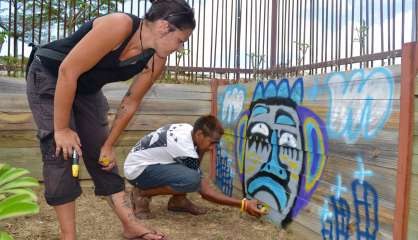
(163, 146)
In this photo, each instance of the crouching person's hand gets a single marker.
(253, 208)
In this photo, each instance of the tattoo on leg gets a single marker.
(127, 201)
(132, 218)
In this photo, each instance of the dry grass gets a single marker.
(95, 221)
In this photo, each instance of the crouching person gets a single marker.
(167, 162)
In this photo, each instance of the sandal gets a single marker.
(143, 236)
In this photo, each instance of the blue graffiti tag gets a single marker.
(231, 103)
(341, 210)
(224, 172)
(341, 217)
(366, 208)
(365, 200)
(326, 221)
(360, 103)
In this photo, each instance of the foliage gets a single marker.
(73, 12)
(361, 36)
(3, 35)
(179, 55)
(16, 197)
(303, 49)
(256, 61)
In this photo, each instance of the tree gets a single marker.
(34, 20)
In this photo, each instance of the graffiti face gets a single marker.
(274, 138)
(281, 148)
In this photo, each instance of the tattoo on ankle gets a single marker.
(132, 218)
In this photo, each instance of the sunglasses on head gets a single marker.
(178, 14)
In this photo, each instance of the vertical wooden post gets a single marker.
(214, 84)
(213, 110)
(408, 75)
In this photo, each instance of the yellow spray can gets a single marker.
(105, 161)
(75, 164)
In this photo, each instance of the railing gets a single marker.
(237, 39)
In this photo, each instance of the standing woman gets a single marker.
(64, 84)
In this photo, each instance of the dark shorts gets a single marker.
(88, 119)
(176, 176)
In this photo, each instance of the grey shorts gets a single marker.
(176, 176)
(88, 119)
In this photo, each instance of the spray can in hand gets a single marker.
(75, 164)
(264, 208)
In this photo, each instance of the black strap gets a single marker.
(58, 56)
(51, 54)
(143, 56)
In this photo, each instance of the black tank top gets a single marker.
(107, 70)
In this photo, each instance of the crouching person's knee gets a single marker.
(190, 182)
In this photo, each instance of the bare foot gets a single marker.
(181, 204)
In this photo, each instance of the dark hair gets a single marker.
(208, 124)
(177, 12)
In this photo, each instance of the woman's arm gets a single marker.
(129, 105)
(99, 41)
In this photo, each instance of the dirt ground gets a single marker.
(95, 221)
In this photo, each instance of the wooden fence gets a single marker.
(164, 103)
(332, 153)
(336, 153)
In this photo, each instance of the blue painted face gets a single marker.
(274, 146)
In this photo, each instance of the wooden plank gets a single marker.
(322, 88)
(416, 121)
(161, 90)
(16, 121)
(415, 145)
(19, 104)
(321, 110)
(413, 225)
(152, 122)
(413, 198)
(299, 230)
(27, 138)
(24, 121)
(30, 158)
(415, 164)
(12, 87)
(416, 115)
(416, 86)
(379, 153)
(169, 107)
